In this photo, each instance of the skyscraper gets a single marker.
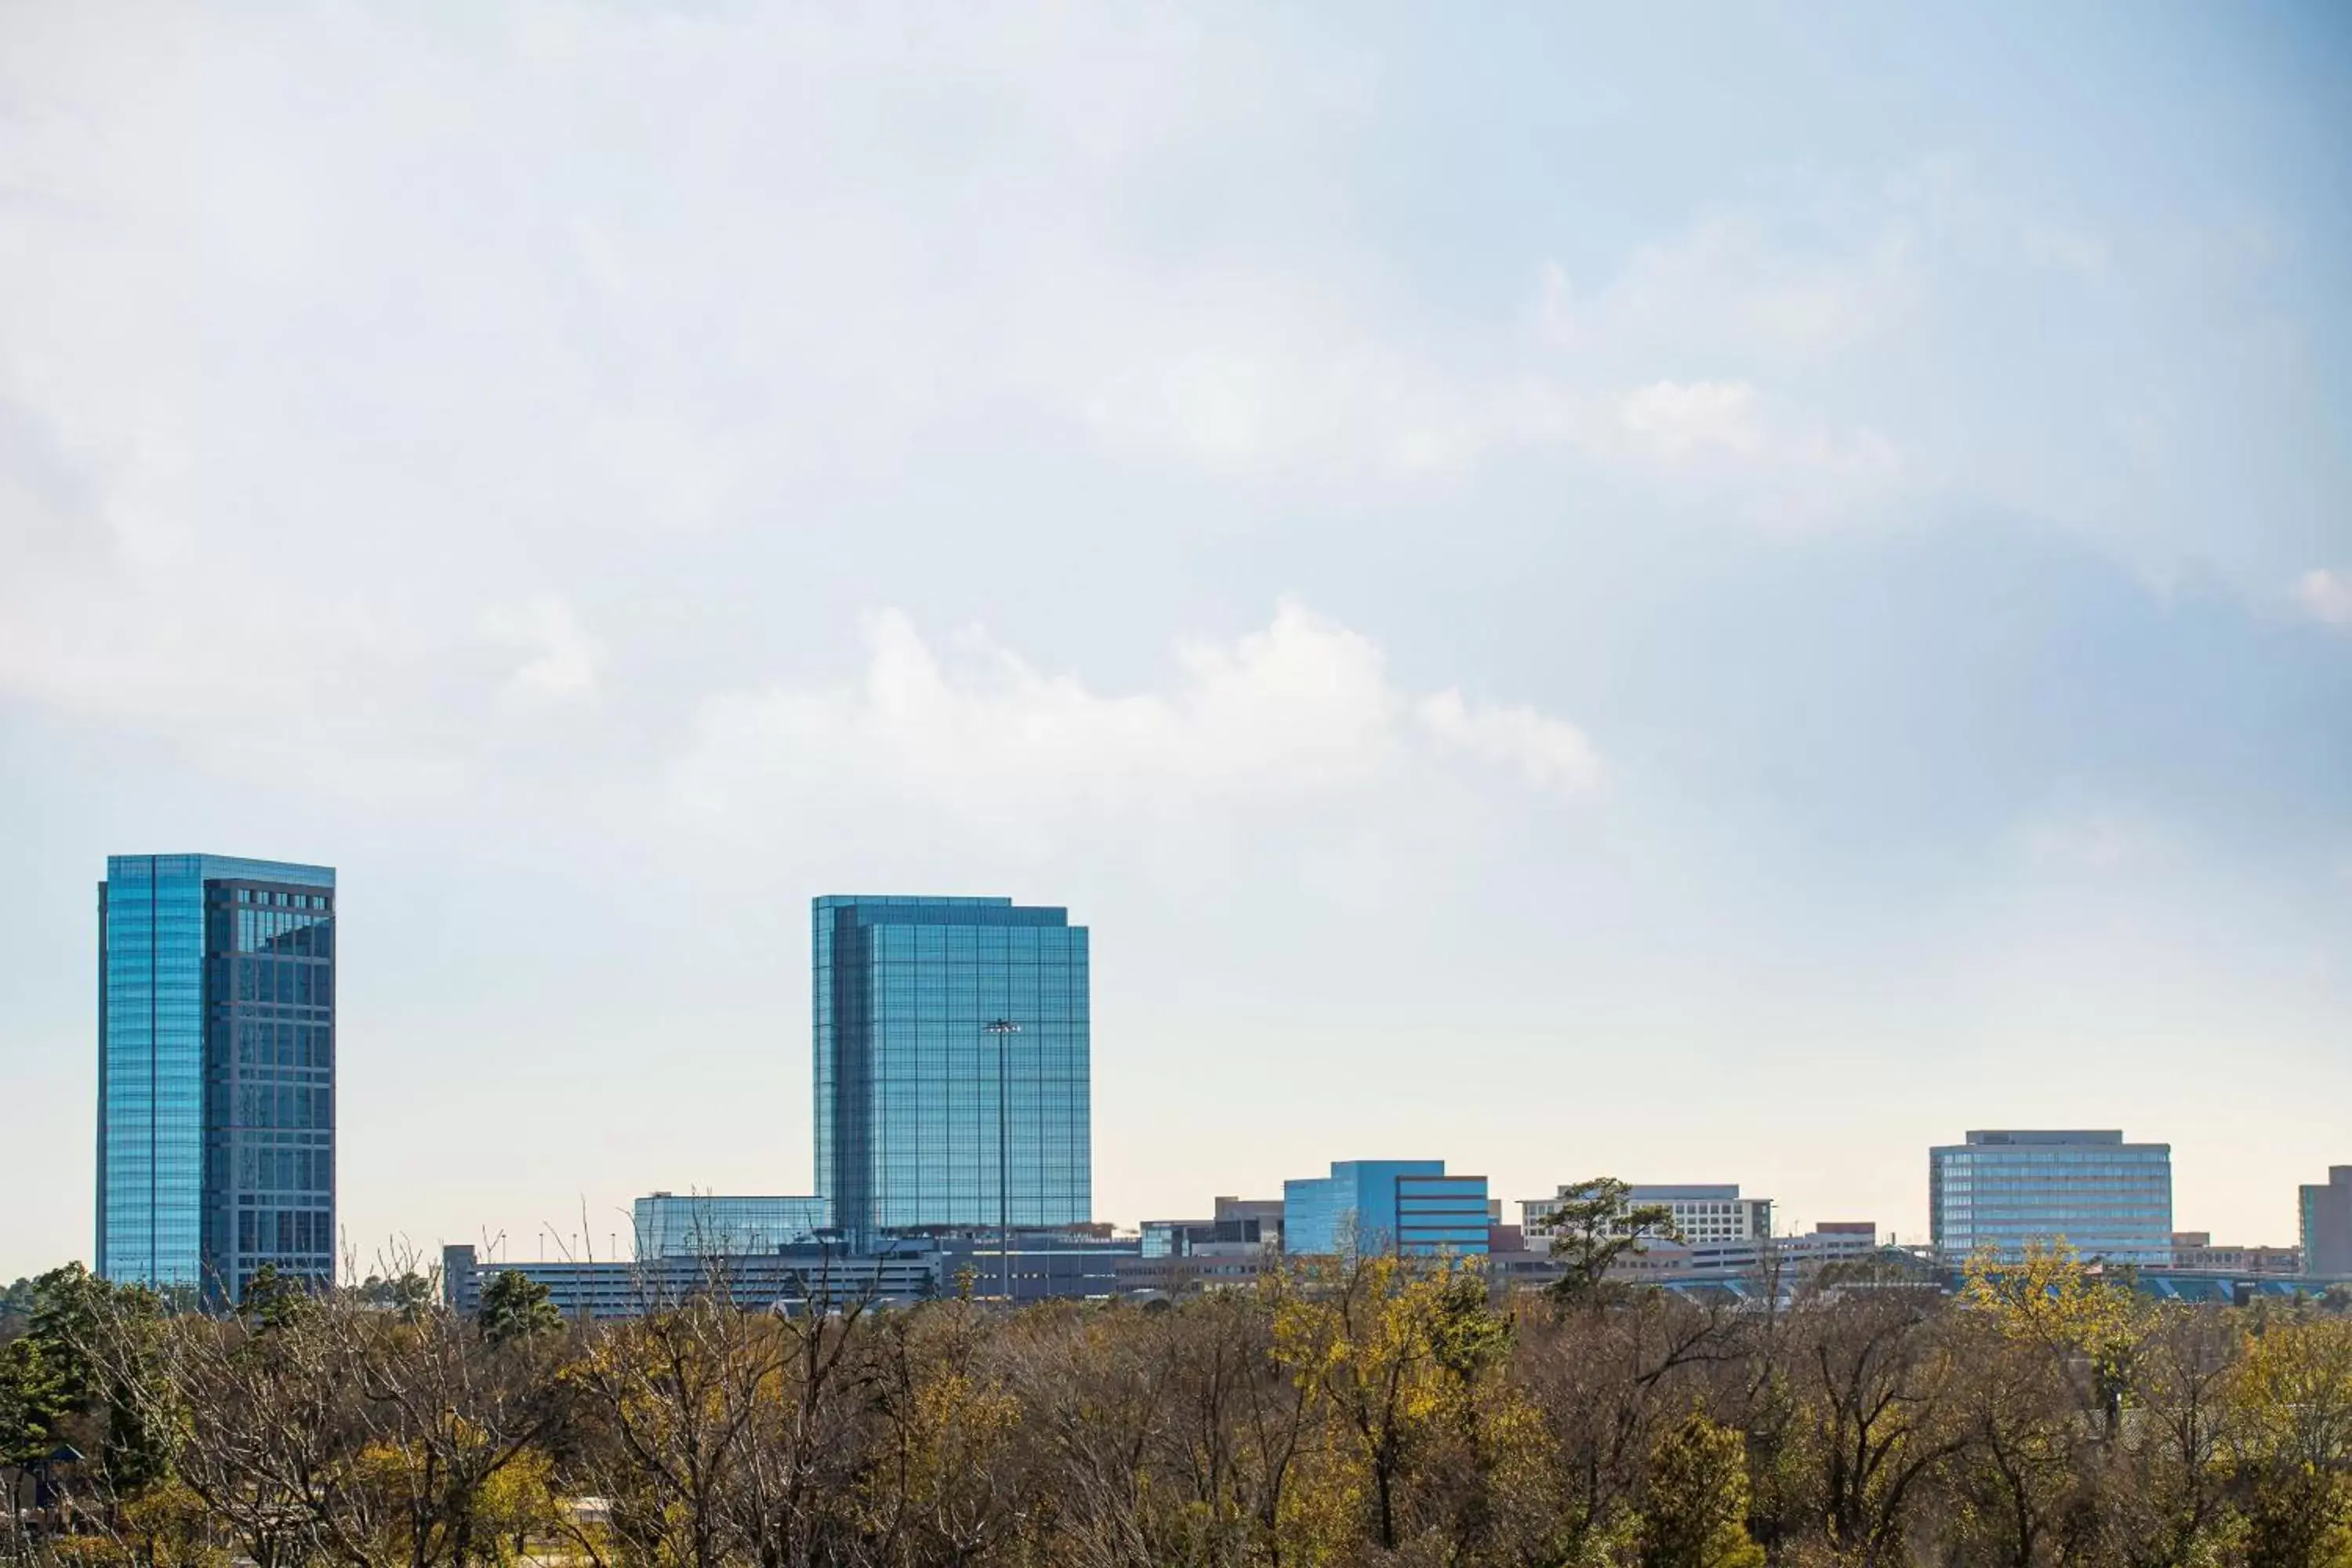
(951, 1063)
(216, 1071)
(2000, 1191)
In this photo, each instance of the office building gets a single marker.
(791, 1279)
(2001, 1191)
(1701, 1214)
(952, 1064)
(1237, 1221)
(2196, 1251)
(2325, 1215)
(703, 1225)
(1407, 1207)
(216, 1072)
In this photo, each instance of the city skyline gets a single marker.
(1716, 596)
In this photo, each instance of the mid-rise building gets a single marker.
(2325, 1215)
(216, 1072)
(1703, 1213)
(702, 1225)
(2000, 1191)
(951, 1063)
(1407, 1207)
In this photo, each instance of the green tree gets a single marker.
(271, 1299)
(516, 1306)
(54, 1389)
(1595, 1224)
(1694, 1508)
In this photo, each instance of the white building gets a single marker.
(1703, 1214)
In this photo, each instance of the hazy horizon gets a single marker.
(1714, 595)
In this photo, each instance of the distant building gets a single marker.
(795, 1280)
(1074, 1265)
(216, 1072)
(669, 1225)
(1704, 1213)
(1407, 1206)
(952, 1050)
(2003, 1190)
(1754, 1259)
(2194, 1250)
(2325, 1213)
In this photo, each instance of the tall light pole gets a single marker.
(1002, 1028)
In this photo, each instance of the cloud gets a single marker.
(2326, 595)
(1301, 711)
(1547, 753)
(562, 661)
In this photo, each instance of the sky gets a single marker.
(1703, 594)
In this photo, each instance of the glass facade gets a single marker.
(926, 1115)
(216, 1052)
(1409, 1207)
(2104, 1197)
(706, 1225)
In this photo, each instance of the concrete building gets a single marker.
(2325, 1216)
(2194, 1250)
(1407, 1206)
(2000, 1191)
(1701, 1212)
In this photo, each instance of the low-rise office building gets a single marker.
(792, 1279)
(1412, 1207)
(1701, 1212)
(705, 1224)
(2195, 1249)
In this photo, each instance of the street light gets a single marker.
(1001, 1029)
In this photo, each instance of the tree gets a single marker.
(516, 1306)
(1694, 1508)
(1595, 1224)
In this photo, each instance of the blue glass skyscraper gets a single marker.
(216, 1072)
(916, 1125)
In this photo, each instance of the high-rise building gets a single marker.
(2000, 1192)
(1407, 1206)
(2326, 1214)
(216, 1072)
(701, 1224)
(1701, 1213)
(951, 1045)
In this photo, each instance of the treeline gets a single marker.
(1375, 1412)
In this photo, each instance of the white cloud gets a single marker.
(2326, 595)
(1549, 752)
(561, 659)
(1301, 711)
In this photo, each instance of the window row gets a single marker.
(284, 982)
(285, 1230)
(261, 1042)
(283, 1105)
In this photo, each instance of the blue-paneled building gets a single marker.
(2000, 1191)
(1407, 1206)
(951, 1063)
(216, 1072)
(702, 1225)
